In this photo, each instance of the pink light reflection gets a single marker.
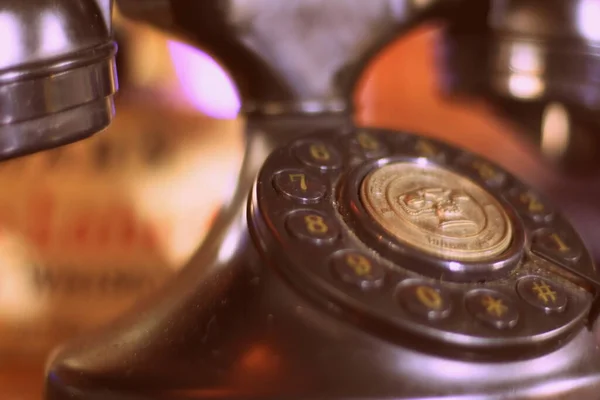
(204, 83)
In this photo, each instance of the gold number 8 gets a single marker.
(315, 224)
(319, 152)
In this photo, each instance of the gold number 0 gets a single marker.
(302, 177)
(315, 224)
(359, 264)
(319, 152)
(429, 297)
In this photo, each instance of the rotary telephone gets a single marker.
(349, 261)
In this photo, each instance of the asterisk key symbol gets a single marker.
(544, 292)
(494, 306)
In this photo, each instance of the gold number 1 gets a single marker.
(562, 246)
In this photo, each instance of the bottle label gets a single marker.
(89, 228)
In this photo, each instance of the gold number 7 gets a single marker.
(302, 178)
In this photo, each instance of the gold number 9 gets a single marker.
(359, 264)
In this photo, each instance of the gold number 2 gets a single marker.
(315, 224)
(533, 203)
(359, 264)
(319, 152)
(302, 178)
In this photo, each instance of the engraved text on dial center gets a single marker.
(437, 211)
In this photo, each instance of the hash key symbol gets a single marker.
(544, 292)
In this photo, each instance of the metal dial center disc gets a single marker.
(437, 211)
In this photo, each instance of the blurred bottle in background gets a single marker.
(89, 228)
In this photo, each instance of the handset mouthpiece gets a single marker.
(57, 73)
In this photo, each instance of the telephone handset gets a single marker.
(350, 261)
